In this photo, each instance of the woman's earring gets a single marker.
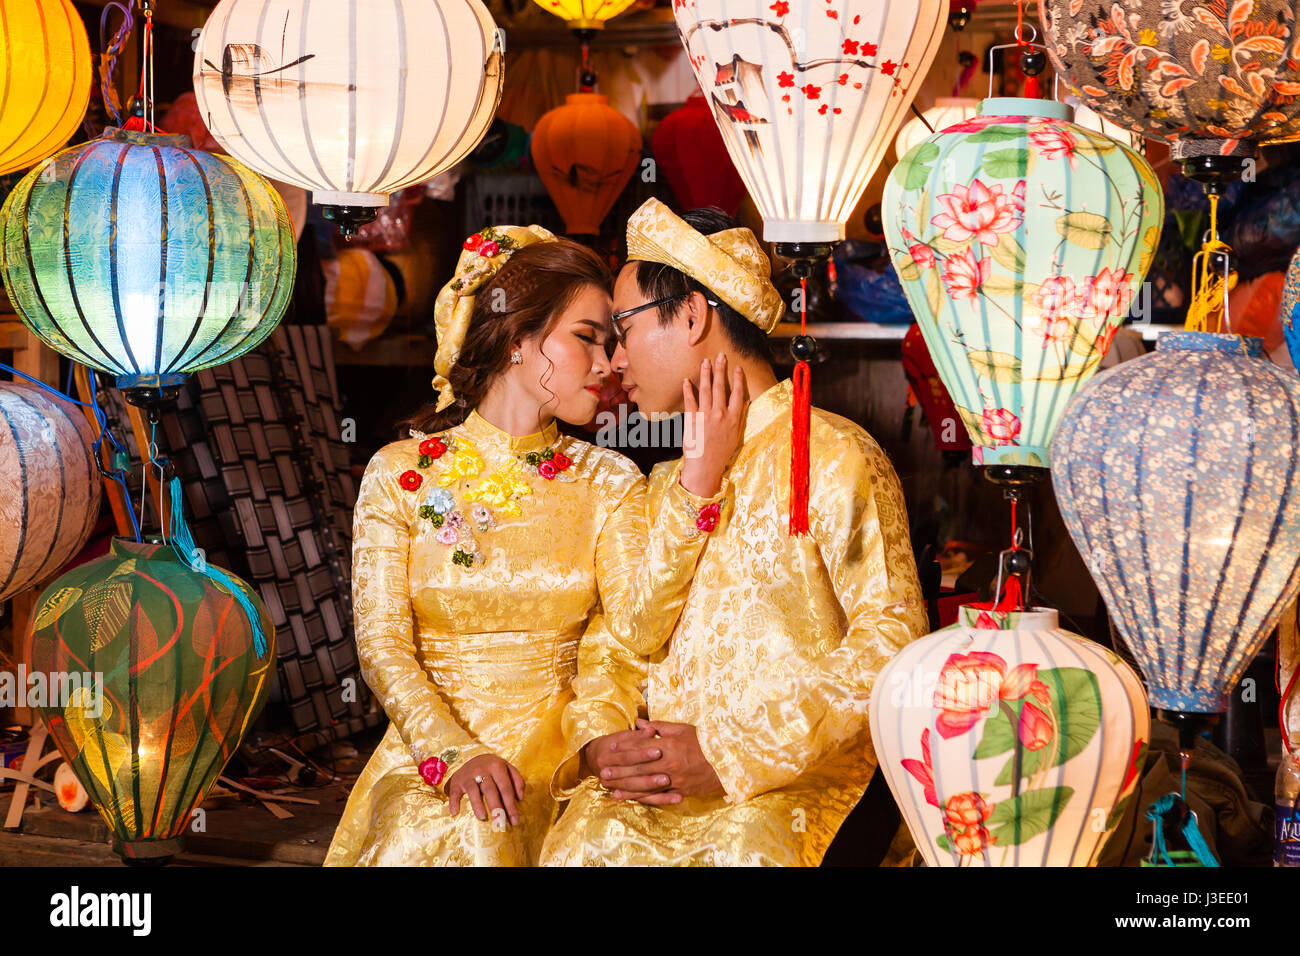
(516, 357)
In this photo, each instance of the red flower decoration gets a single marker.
(833, 14)
(850, 46)
(707, 519)
(844, 79)
(433, 770)
(547, 469)
(822, 109)
(780, 8)
(433, 447)
(869, 49)
(411, 480)
(812, 92)
(488, 249)
(561, 462)
(785, 79)
(473, 242)
(888, 67)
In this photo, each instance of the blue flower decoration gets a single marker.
(440, 500)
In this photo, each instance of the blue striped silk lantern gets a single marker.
(145, 258)
(1291, 310)
(1178, 476)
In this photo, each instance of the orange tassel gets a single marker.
(800, 417)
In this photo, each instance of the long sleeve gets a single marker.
(644, 578)
(381, 599)
(859, 523)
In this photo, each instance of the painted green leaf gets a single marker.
(996, 134)
(974, 423)
(947, 247)
(915, 166)
(55, 606)
(999, 366)
(1006, 163)
(907, 270)
(923, 210)
(1009, 254)
(1020, 819)
(999, 733)
(1085, 229)
(1003, 286)
(1149, 243)
(933, 292)
(1078, 724)
(1098, 145)
(1071, 373)
(941, 841)
(106, 607)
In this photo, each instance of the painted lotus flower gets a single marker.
(1001, 425)
(971, 684)
(922, 255)
(977, 211)
(963, 274)
(1034, 727)
(1053, 142)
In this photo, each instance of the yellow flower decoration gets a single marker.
(502, 489)
(465, 464)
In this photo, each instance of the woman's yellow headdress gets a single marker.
(483, 256)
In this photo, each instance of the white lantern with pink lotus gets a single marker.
(1008, 741)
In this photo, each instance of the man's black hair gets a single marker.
(659, 281)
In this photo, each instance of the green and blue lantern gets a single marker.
(145, 258)
(1021, 240)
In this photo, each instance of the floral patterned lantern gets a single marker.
(585, 152)
(183, 672)
(1021, 240)
(45, 73)
(1008, 741)
(1177, 478)
(1211, 78)
(808, 97)
(352, 101)
(1290, 311)
(53, 487)
(145, 258)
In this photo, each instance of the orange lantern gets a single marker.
(585, 152)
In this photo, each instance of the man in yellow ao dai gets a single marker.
(744, 739)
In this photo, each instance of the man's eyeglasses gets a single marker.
(617, 318)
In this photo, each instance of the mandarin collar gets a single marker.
(481, 431)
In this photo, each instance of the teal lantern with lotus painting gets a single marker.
(1021, 240)
(181, 656)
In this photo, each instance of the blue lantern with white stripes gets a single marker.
(145, 258)
(1178, 476)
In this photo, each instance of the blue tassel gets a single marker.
(1191, 833)
(183, 545)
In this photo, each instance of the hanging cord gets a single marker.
(182, 542)
(112, 50)
(145, 95)
(1031, 81)
(104, 432)
(1284, 696)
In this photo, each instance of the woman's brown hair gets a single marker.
(535, 286)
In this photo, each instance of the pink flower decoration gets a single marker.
(547, 470)
(447, 535)
(977, 123)
(1035, 729)
(1018, 197)
(488, 250)
(1001, 425)
(1053, 142)
(968, 687)
(979, 211)
(923, 770)
(922, 255)
(432, 770)
(1109, 294)
(985, 621)
(963, 274)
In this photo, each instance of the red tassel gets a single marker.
(1011, 599)
(800, 417)
(1031, 87)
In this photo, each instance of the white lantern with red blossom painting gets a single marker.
(1008, 741)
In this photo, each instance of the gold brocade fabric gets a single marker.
(772, 660)
(477, 659)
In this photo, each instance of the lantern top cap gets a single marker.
(1023, 106)
(152, 548)
(140, 138)
(1220, 343)
(1030, 619)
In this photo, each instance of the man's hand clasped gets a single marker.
(659, 763)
